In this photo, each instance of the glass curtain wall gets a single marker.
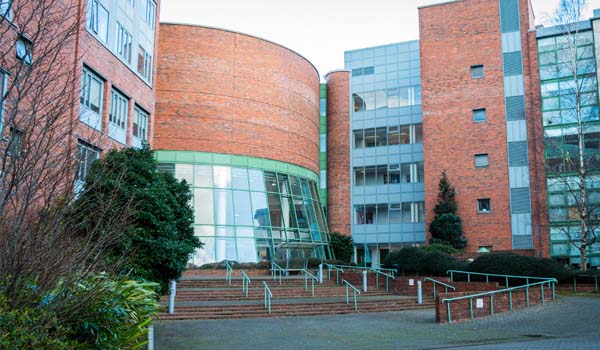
(244, 214)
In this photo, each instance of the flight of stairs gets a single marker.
(211, 297)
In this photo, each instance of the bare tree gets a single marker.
(570, 165)
(41, 240)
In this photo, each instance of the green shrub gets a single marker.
(96, 313)
(437, 263)
(439, 247)
(520, 265)
(342, 246)
(31, 327)
(405, 260)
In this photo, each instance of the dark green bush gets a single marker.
(413, 259)
(439, 247)
(405, 260)
(520, 265)
(437, 263)
(342, 246)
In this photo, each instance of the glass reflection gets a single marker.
(245, 214)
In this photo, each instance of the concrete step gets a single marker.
(259, 294)
(297, 309)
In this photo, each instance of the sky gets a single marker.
(320, 30)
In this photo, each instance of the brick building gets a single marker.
(275, 158)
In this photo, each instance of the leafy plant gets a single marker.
(158, 244)
(342, 246)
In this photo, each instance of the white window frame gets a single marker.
(480, 157)
(146, 66)
(479, 201)
(84, 162)
(119, 106)
(140, 125)
(87, 114)
(148, 8)
(6, 9)
(94, 6)
(124, 43)
(24, 48)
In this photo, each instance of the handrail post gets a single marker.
(355, 304)
(346, 294)
(596, 283)
(451, 276)
(469, 277)
(434, 294)
(365, 280)
(491, 304)
(506, 281)
(449, 318)
(321, 273)
(419, 292)
(527, 294)
(510, 299)
(553, 292)
(471, 307)
(172, 293)
(574, 283)
(542, 291)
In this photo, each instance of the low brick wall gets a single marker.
(460, 310)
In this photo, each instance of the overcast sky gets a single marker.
(320, 30)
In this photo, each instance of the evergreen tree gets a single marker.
(446, 226)
(160, 239)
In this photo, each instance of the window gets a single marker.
(323, 143)
(144, 65)
(6, 9)
(323, 179)
(477, 72)
(97, 21)
(148, 12)
(140, 124)
(3, 79)
(24, 48)
(363, 71)
(322, 106)
(484, 205)
(86, 155)
(393, 135)
(481, 160)
(359, 141)
(124, 43)
(118, 109)
(91, 95)
(479, 115)
(15, 143)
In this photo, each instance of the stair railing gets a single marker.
(387, 278)
(268, 296)
(312, 277)
(245, 283)
(275, 268)
(228, 272)
(337, 272)
(436, 282)
(349, 285)
(550, 281)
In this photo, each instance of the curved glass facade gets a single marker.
(243, 213)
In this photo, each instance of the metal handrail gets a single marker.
(350, 267)
(551, 283)
(435, 282)
(313, 278)
(228, 272)
(245, 283)
(268, 296)
(387, 277)
(348, 284)
(488, 275)
(274, 268)
(337, 272)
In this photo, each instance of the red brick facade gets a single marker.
(455, 36)
(338, 152)
(226, 92)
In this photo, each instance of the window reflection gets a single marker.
(244, 214)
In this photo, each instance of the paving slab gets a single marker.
(570, 323)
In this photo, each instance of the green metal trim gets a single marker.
(193, 157)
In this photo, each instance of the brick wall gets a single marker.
(453, 37)
(460, 309)
(226, 92)
(338, 152)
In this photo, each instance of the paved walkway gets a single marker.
(571, 323)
